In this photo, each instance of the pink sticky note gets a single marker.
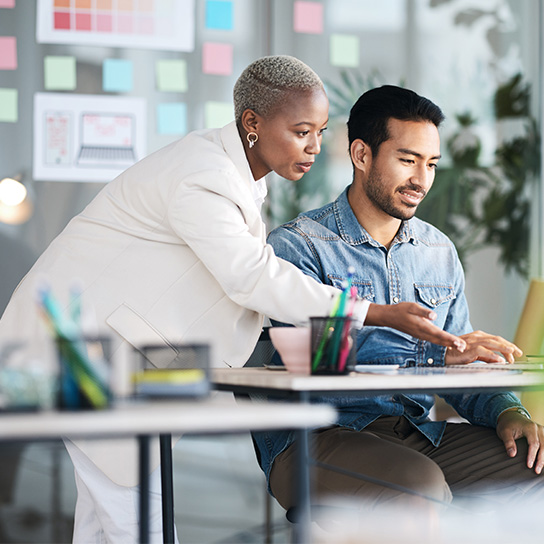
(8, 53)
(308, 17)
(217, 58)
(7, 3)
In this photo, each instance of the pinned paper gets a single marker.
(219, 15)
(217, 58)
(171, 75)
(344, 50)
(7, 3)
(308, 17)
(8, 53)
(117, 75)
(8, 105)
(218, 114)
(60, 73)
(172, 118)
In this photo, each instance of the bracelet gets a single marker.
(519, 410)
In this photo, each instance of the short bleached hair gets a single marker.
(265, 83)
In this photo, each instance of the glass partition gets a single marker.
(478, 59)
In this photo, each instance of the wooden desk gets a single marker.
(146, 419)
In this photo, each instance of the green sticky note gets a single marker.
(344, 50)
(60, 73)
(8, 105)
(218, 114)
(171, 75)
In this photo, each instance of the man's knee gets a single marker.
(351, 473)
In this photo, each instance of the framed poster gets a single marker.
(149, 24)
(86, 137)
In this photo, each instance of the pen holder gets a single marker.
(170, 371)
(84, 373)
(333, 345)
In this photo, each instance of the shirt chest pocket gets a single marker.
(364, 288)
(436, 297)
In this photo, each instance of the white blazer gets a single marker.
(173, 250)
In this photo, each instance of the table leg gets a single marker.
(301, 529)
(144, 488)
(167, 488)
(303, 514)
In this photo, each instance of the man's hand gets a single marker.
(485, 347)
(414, 320)
(513, 425)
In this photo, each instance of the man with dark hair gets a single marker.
(394, 148)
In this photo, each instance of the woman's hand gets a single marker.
(485, 347)
(414, 320)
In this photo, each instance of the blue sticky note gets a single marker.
(172, 118)
(219, 15)
(117, 75)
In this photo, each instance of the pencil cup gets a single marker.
(84, 373)
(333, 345)
(173, 370)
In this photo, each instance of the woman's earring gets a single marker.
(252, 138)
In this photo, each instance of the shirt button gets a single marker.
(433, 301)
(430, 361)
(395, 299)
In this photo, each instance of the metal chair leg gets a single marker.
(268, 518)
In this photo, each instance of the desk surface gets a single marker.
(420, 380)
(206, 416)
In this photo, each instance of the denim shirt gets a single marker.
(420, 266)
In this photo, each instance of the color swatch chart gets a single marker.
(156, 24)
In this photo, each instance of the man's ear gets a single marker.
(361, 155)
(250, 121)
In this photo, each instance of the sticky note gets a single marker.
(8, 105)
(8, 53)
(308, 17)
(218, 114)
(171, 75)
(117, 75)
(172, 118)
(60, 73)
(344, 50)
(217, 58)
(219, 15)
(7, 3)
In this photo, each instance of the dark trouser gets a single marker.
(471, 464)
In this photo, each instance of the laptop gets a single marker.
(470, 367)
(107, 140)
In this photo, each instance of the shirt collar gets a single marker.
(353, 233)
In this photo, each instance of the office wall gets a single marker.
(455, 52)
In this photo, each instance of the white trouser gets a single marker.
(107, 513)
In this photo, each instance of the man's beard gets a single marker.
(375, 192)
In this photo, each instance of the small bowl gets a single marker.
(293, 345)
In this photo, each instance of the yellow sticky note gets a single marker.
(59, 73)
(8, 105)
(344, 50)
(218, 114)
(171, 75)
